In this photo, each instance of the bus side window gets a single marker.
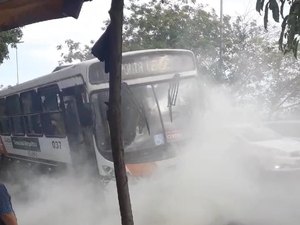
(31, 104)
(4, 120)
(15, 115)
(72, 123)
(52, 116)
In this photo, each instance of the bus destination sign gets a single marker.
(146, 64)
(159, 63)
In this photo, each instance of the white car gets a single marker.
(272, 146)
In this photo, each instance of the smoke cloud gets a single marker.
(211, 182)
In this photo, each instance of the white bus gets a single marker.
(61, 119)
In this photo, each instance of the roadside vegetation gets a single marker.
(253, 65)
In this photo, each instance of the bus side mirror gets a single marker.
(86, 115)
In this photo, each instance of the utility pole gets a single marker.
(221, 39)
(17, 63)
(17, 60)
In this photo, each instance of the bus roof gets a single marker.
(69, 71)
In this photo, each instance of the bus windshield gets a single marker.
(149, 121)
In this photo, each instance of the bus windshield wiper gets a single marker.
(139, 107)
(173, 93)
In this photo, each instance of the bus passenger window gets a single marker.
(33, 125)
(4, 126)
(14, 112)
(17, 125)
(50, 102)
(4, 120)
(53, 124)
(52, 115)
(31, 104)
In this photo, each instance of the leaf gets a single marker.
(260, 5)
(282, 7)
(266, 15)
(275, 9)
(9, 38)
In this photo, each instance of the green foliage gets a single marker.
(181, 24)
(289, 37)
(275, 9)
(8, 38)
(75, 52)
(253, 66)
(176, 24)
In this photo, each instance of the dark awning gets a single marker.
(17, 13)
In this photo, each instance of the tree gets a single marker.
(9, 38)
(185, 25)
(289, 36)
(176, 24)
(75, 52)
(169, 25)
(260, 71)
(253, 66)
(248, 56)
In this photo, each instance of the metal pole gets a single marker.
(17, 62)
(221, 38)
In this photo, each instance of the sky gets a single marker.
(37, 54)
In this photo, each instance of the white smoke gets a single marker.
(209, 184)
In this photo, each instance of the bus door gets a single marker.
(78, 132)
